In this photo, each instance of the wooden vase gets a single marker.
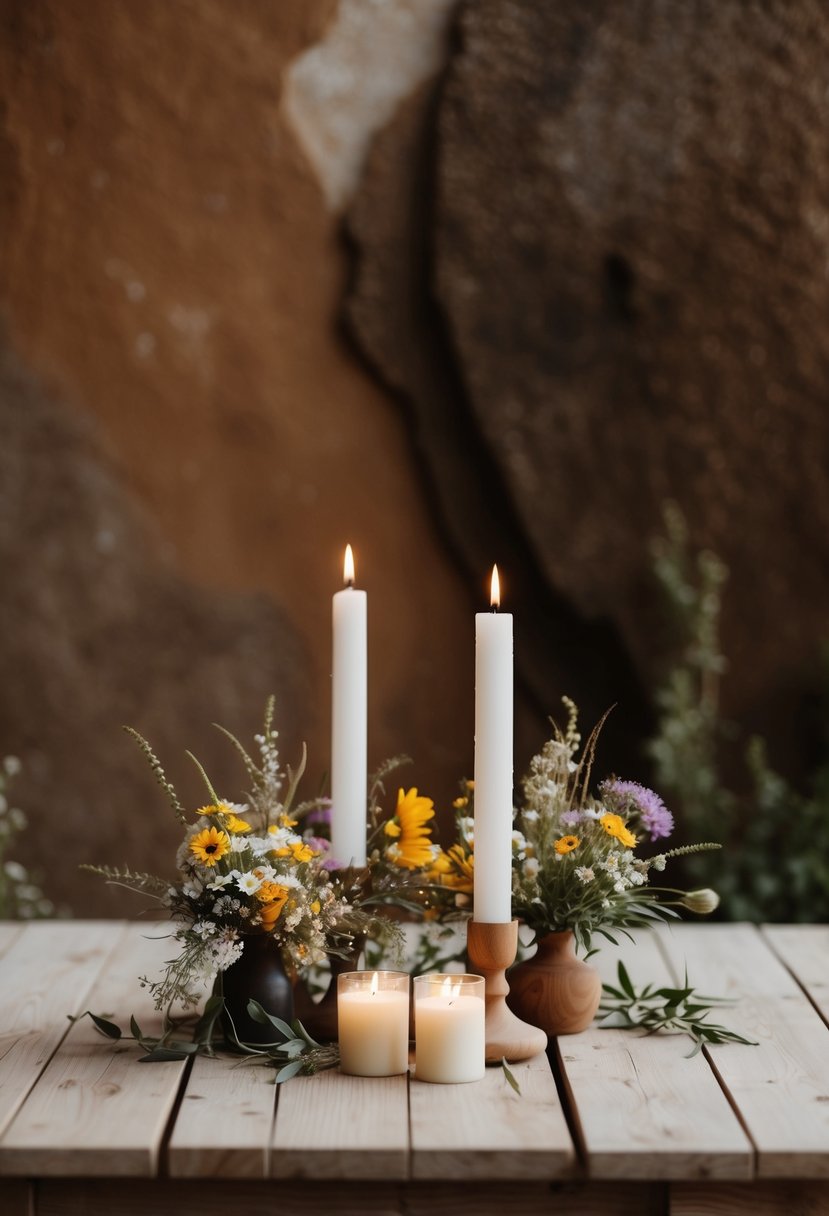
(259, 974)
(554, 989)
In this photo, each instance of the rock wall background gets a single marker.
(456, 282)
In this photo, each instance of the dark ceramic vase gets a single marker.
(259, 975)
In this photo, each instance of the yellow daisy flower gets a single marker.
(302, 851)
(614, 825)
(459, 803)
(412, 848)
(566, 844)
(210, 846)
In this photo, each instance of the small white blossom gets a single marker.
(531, 867)
(585, 874)
(249, 883)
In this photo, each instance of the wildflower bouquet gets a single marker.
(243, 868)
(575, 864)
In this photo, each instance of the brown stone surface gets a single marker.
(169, 269)
(99, 630)
(393, 316)
(632, 234)
(624, 222)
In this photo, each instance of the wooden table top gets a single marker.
(627, 1107)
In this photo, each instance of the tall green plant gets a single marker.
(776, 865)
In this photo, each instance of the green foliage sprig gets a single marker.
(21, 896)
(680, 1009)
(292, 1051)
(779, 867)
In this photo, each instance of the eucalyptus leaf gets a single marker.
(290, 1070)
(106, 1027)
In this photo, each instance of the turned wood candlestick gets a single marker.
(491, 949)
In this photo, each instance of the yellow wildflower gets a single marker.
(614, 825)
(459, 803)
(285, 821)
(209, 846)
(234, 824)
(455, 868)
(272, 895)
(230, 820)
(413, 848)
(566, 844)
(315, 907)
(392, 829)
(302, 851)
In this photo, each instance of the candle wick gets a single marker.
(349, 582)
(494, 608)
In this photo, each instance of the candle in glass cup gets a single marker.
(450, 1037)
(373, 1022)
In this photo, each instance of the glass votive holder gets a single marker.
(450, 1036)
(373, 1022)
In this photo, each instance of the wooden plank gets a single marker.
(533, 1199)
(18, 1197)
(334, 1126)
(217, 1197)
(225, 1121)
(71, 1197)
(95, 1111)
(780, 1087)
(804, 951)
(485, 1130)
(758, 1199)
(47, 970)
(641, 1108)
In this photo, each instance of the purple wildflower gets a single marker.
(570, 818)
(631, 798)
(321, 813)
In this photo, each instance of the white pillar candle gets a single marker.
(493, 763)
(450, 1037)
(373, 1022)
(349, 717)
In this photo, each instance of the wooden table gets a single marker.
(620, 1124)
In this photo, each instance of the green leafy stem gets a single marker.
(678, 1009)
(292, 1050)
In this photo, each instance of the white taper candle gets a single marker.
(349, 717)
(493, 763)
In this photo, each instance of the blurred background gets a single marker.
(457, 282)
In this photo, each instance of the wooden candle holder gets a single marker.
(491, 949)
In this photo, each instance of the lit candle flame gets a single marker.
(375, 981)
(495, 589)
(348, 567)
(450, 990)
